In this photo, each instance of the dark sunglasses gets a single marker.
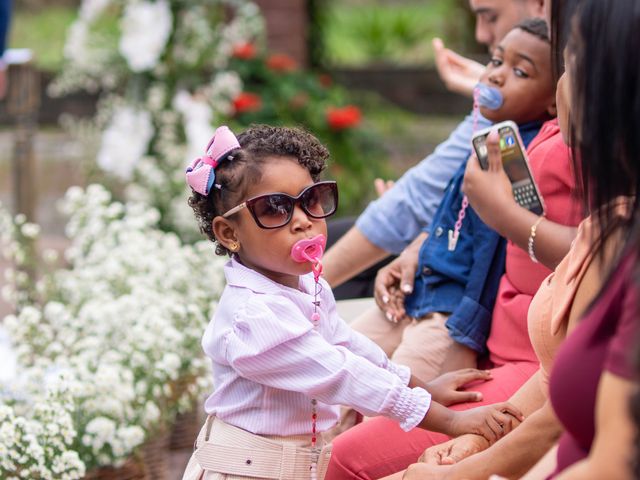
(275, 210)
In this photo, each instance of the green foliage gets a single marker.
(372, 32)
(44, 32)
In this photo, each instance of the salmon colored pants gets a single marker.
(378, 447)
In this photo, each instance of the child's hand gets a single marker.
(445, 389)
(489, 191)
(491, 421)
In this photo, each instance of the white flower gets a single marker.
(146, 27)
(197, 123)
(125, 141)
(30, 230)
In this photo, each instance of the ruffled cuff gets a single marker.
(401, 371)
(411, 407)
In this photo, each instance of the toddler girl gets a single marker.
(282, 358)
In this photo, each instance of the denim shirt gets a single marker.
(395, 219)
(463, 282)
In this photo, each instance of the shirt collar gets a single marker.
(238, 275)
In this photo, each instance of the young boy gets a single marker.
(455, 285)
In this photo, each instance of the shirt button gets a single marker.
(439, 231)
(426, 271)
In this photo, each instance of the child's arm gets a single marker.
(490, 421)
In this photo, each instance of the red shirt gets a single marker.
(550, 161)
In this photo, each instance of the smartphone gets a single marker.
(515, 162)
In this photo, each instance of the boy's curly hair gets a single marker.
(258, 145)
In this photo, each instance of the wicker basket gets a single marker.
(131, 470)
(185, 428)
(155, 456)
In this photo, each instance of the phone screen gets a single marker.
(515, 166)
(512, 155)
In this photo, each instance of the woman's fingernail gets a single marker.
(478, 397)
(389, 317)
(385, 299)
(406, 288)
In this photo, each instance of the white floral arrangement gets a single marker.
(36, 440)
(122, 323)
(161, 68)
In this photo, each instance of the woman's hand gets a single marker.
(491, 421)
(454, 450)
(489, 191)
(459, 74)
(445, 389)
(422, 471)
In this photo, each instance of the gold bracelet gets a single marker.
(532, 238)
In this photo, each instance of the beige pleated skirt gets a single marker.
(225, 452)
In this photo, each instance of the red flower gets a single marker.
(244, 51)
(343, 118)
(325, 80)
(279, 62)
(299, 100)
(247, 102)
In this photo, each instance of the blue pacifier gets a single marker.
(488, 97)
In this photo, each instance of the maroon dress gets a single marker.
(605, 340)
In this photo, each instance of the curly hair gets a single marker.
(259, 144)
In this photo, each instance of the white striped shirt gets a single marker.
(269, 361)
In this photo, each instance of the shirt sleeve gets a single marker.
(297, 358)
(624, 343)
(395, 219)
(360, 344)
(470, 323)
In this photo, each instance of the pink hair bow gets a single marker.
(201, 173)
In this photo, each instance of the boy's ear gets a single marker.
(225, 233)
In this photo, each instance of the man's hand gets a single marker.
(454, 450)
(395, 281)
(445, 389)
(459, 74)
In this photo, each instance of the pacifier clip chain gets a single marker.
(455, 233)
(311, 250)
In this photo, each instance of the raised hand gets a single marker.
(382, 186)
(459, 74)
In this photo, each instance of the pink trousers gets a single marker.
(378, 447)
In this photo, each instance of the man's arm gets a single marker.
(349, 256)
(394, 220)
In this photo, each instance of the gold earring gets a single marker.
(234, 247)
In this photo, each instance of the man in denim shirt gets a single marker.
(454, 289)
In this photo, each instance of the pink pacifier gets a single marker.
(310, 250)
